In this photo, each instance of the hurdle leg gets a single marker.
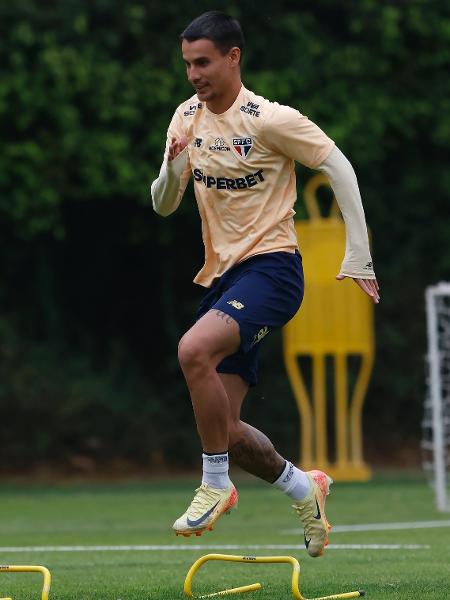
(30, 569)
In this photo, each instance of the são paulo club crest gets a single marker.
(243, 146)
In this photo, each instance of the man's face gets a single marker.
(208, 70)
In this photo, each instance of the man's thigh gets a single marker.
(215, 335)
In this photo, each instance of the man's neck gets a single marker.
(222, 104)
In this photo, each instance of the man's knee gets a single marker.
(192, 354)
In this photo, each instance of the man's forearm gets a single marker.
(357, 261)
(168, 189)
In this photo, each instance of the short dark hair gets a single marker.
(223, 30)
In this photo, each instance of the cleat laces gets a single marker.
(204, 496)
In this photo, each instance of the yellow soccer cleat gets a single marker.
(207, 506)
(311, 511)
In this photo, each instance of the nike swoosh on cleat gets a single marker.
(318, 516)
(307, 542)
(199, 521)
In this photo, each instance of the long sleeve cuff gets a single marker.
(165, 190)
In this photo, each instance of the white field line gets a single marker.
(178, 548)
(377, 527)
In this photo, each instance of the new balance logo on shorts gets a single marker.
(236, 304)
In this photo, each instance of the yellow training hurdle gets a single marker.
(257, 586)
(30, 569)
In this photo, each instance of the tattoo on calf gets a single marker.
(255, 453)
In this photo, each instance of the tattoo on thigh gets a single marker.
(224, 316)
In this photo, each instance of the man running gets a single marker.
(240, 149)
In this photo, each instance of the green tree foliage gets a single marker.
(86, 94)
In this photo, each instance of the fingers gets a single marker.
(172, 149)
(176, 147)
(373, 284)
(369, 286)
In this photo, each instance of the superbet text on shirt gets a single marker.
(242, 162)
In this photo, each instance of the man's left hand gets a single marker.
(369, 286)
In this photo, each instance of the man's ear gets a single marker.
(235, 56)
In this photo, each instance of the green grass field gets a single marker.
(136, 514)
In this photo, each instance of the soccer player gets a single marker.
(240, 149)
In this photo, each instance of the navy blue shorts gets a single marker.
(260, 293)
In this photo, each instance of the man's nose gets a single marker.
(193, 75)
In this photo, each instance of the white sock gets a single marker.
(215, 470)
(293, 482)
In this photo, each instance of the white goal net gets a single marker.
(436, 421)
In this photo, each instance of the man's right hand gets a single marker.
(176, 147)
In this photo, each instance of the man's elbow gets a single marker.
(161, 211)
